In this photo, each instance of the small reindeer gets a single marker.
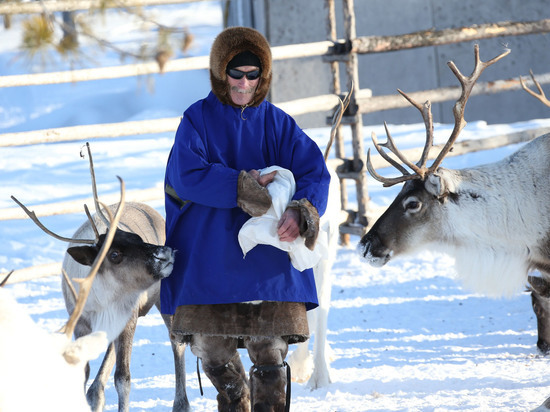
(57, 362)
(127, 286)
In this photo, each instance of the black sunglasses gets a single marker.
(238, 74)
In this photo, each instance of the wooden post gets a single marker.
(357, 123)
(336, 89)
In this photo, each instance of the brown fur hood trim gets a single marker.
(227, 45)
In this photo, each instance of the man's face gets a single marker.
(242, 90)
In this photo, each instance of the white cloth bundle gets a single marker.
(263, 229)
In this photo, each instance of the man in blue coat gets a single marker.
(221, 300)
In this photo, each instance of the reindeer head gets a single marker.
(417, 206)
(129, 251)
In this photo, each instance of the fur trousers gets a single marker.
(221, 362)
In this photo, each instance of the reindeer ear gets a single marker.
(434, 185)
(441, 183)
(85, 255)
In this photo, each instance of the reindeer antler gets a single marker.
(86, 283)
(337, 118)
(540, 95)
(94, 190)
(420, 170)
(33, 217)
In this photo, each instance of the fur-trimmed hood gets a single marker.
(227, 45)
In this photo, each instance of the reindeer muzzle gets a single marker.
(164, 258)
(373, 251)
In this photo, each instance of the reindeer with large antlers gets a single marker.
(495, 218)
(126, 287)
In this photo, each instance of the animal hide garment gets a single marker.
(263, 229)
(285, 319)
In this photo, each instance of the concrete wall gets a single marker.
(302, 21)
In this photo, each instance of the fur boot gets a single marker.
(268, 385)
(268, 378)
(232, 385)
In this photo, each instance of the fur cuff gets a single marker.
(309, 222)
(252, 197)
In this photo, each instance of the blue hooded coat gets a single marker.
(213, 143)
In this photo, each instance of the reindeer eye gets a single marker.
(412, 205)
(115, 256)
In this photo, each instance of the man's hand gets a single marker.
(263, 180)
(288, 227)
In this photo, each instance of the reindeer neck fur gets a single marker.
(113, 319)
(108, 311)
(498, 219)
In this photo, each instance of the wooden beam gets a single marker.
(33, 272)
(18, 7)
(428, 38)
(102, 73)
(77, 206)
(443, 94)
(89, 132)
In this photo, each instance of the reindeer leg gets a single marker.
(96, 392)
(181, 403)
(540, 300)
(122, 371)
(320, 376)
(300, 360)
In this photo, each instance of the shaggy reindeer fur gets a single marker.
(41, 371)
(494, 219)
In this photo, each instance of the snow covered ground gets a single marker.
(405, 337)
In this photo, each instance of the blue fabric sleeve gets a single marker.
(193, 177)
(300, 154)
